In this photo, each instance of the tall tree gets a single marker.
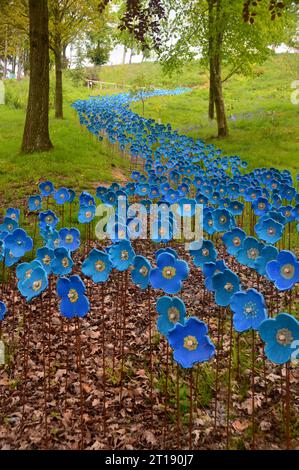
(14, 34)
(99, 34)
(214, 29)
(36, 132)
(66, 18)
(70, 20)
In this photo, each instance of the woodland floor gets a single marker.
(137, 416)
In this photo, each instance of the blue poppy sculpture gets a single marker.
(281, 337)
(171, 310)
(191, 343)
(249, 310)
(169, 274)
(73, 303)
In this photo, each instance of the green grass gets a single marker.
(77, 161)
(191, 75)
(265, 132)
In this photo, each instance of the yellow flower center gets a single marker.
(169, 272)
(28, 273)
(237, 241)
(37, 285)
(124, 255)
(65, 262)
(190, 343)
(47, 260)
(173, 315)
(229, 287)
(73, 295)
(144, 271)
(252, 253)
(69, 239)
(284, 337)
(100, 266)
(250, 309)
(287, 271)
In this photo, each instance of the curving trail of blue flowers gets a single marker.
(255, 212)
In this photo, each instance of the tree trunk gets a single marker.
(13, 65)
(131, 56)
(216, 77)
(26, 65)
(5, 66)
(212, 85)
(36, 132)
(19, 65)
(58, 84)
(65, 61)
(212, 92)
(124, 55)
(219, 100)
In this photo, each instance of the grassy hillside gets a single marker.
(77, 161)
(263, 123)
(151, 74)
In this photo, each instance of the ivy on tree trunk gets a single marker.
(36, 132)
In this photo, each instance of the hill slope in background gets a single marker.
(263, 123)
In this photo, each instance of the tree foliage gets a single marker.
(14, 29)
(187, 32)
(210, 30)
(141, 19)
(276, 8)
